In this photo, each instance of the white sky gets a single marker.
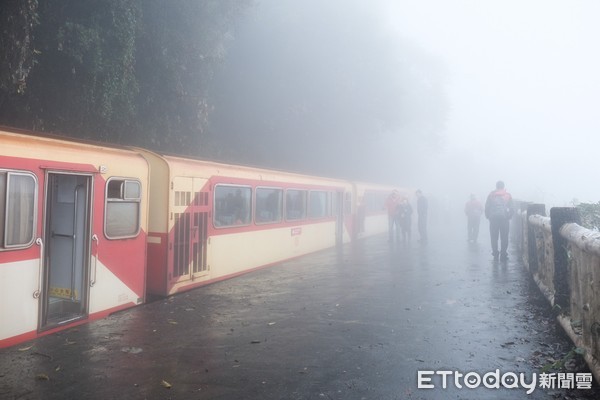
(524, 89)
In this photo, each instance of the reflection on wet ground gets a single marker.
(357, 322)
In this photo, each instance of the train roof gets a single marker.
(61, 139)
(267, 172)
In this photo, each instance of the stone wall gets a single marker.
(564, 260)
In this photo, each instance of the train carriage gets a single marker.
(371, 214)
(89, 229)
(72, 233)
(214, 221)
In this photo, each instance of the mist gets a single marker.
(447, 96)
(325, 89)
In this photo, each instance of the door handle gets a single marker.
(93, 278)
(38, 291)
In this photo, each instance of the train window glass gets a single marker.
(269, 205)
(318, 205)
(295, 204)
(123, 198)
(132, 190)
(233, 205)
(374, 201)
(18, 192)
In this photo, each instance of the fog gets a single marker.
(524, 90)
(448, 95)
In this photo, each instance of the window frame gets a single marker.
(123, 199)
(4, 227)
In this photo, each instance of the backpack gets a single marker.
(497, 207)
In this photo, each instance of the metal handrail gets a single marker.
(93, 280)
(38, 291)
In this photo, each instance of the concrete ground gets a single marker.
(358, 322)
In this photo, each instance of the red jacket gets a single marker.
(473, 208)
(391, 204)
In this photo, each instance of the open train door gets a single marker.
(67, 236)
(190, 216)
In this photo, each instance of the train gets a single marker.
(88, 229)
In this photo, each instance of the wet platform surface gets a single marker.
(352, 323)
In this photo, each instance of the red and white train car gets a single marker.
(88, 229)
(209, 221)
(72, 233)
(371, 215)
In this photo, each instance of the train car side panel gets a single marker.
(208, 239)
(157, 240)
(231, 254)
(18, 308)
(85, 253)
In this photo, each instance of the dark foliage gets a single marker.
(18, 18)
(590, 215)
(123, 71)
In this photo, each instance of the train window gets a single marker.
(374, 201)
(269, 205)
(295, 204)
(18, 194)
(123, 198)
(233, 205)
(318, 204)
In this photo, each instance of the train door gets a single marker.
(190, 215)
(67, 248)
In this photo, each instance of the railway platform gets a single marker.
(371, 320)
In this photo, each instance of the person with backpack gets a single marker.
(499, 209)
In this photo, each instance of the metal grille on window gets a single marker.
(191, 234)
(199, 251)
(182, 244)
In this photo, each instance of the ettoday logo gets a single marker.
(473, 380)
(496, 380)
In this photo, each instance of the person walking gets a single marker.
(499, 209)
(391, 204)
(404, 219)
(422, 216)
(473, 210)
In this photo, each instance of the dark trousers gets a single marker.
(405, 226)
(473, 228)
(499, 228)
(422, 224)
(393, 225)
